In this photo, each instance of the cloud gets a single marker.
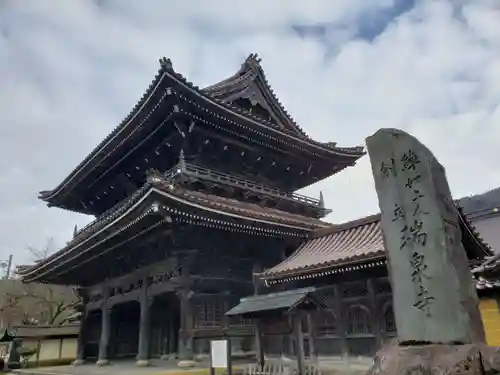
(70, 72)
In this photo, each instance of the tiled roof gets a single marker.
(168, 192)
(487, 275)
(169, 84)
(357, 240)
(251, 71)
(46, 331)
(273, 302)
(246, 209)
(484, 283)
(489, 266)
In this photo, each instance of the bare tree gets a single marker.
(37, 255)
(7, 303)
(39, 304)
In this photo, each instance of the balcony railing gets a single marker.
(201, 173)
(211, 175)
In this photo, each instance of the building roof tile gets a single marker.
(358, 241)
(279, 301)
(162, 87)
(246, 209)
(168, 191)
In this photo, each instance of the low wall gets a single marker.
(53, 345)
(50, 351)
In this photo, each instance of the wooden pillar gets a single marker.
(80, 344)
(184, 293)
(374, 312)
(259, 345)
(312, 337)
(166, 327)
(186, 329)
(259, 348)
(299, 337)
(172, 337)
(102, 359)
(144, 326)
(341, 318)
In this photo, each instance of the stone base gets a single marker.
(436, 359)
(142, 363)
(78, 362)
(102, 362)
(186, 363)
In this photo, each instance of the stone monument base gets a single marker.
(436, 359)
(186, 363)
(102, 362)
(142, 363)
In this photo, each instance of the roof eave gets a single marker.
(329, 149)
(51, 195)
(320, 269)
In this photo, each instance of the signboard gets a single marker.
(220, 356)
(219, 353)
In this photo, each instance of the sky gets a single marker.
(70, 71)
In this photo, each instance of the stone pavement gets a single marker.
(160, 367)
(122, 367)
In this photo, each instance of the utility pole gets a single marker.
(7, 266)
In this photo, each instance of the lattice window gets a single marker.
(383, 286)
(326, 323)
(354, 289)
(240, 321)
(389, 321)
(358, 318)
(209, 314)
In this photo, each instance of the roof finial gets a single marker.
(75, 231)
(166, 63)
(253, 59)
(321, 200)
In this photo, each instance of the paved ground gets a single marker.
(122, 367)
(159, 367)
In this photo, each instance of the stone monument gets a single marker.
(435, 301)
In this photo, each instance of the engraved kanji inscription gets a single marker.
(388, 168)
(398, 213)
(412, 180)
(409, 160)
(413, 234)
(424, 300)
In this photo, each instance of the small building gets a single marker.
(487, 277)
(347, 265)
(53, 345)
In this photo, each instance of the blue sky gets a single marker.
(71, 70)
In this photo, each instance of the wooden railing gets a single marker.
(215, 176)
(201, 173)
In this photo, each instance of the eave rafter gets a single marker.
(168, 82)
